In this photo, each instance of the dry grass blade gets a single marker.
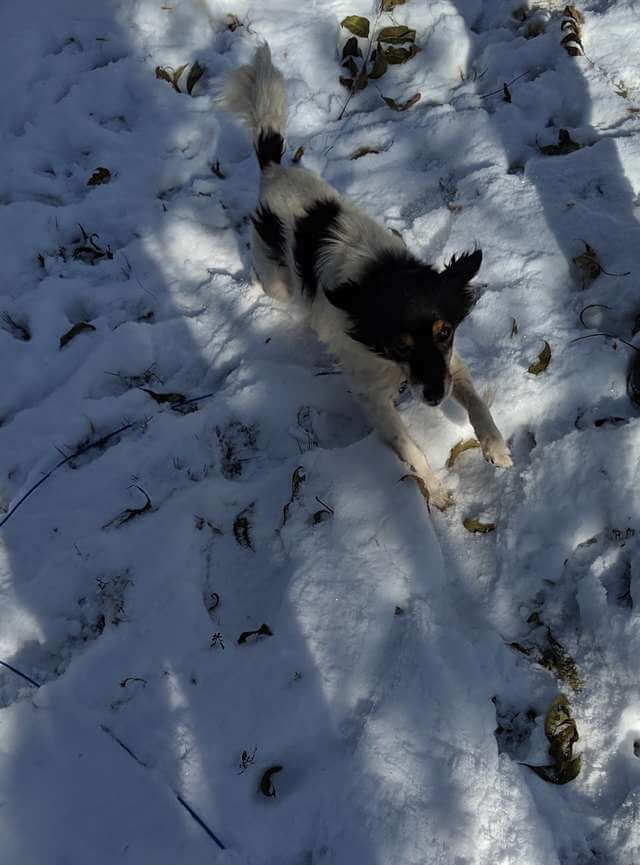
(460, 448)
(473, 525)
(195, 74)
(100, 176)
(403, 106)
(543, 360)
(357, 25)
(80, 327)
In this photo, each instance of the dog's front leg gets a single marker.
(384, 416)
(493, 445)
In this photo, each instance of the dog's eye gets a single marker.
(442, 332)
(402, 346)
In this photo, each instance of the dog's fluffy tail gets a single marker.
(256, 93)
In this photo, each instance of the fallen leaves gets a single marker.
(473, 525)
(542, 362)
(263, 631)
(460, 448)
(363, 151)
(242, 526)
(562, 733)
(99, 177)
(588, 265)
(571, 26)
(171, 398)
(357, 25)
(130, 513)
(297, 479)
(80, 327)
(172, 76)
(402, 106)
(266, 785)
(564, 146)
(397, 35)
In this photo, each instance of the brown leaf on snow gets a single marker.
(396, 35)
(564, 146)
(100, 175)
(395, 106)
(357, 25)
(474, 526)
(195, 74)
(588, 265)
(572, 20)
(395, 54)
(379, 63)
(363, 151)
(562, 733)
(543, 360)
(80, 327)
(460, 448)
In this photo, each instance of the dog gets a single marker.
(386, 315)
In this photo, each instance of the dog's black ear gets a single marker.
(461, 270)
(456, 277)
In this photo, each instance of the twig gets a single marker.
(592, 306)
(18, 673)
(364, 62)
(501, 89)
(609, 336)
(81, 450)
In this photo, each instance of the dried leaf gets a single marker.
(130, 513)
(346, 82)
(379, 64)
(351, 48)
(588, 265)
(562, 733)
(80, 327)
(297, 156)
(241, 526)
(572, 19)
(19, 331)
(557, 660)
(396, 35)
(350, 64)
(363, 151)
(263, 631)
(460, 448)
(564, 146)
(233, 22)
(357, 25)
(100, 175)
(266, 785)
(403, 105)
(297, 479)
(177, 74)
(195, 74)
(389, 5)
(543, 360)
(514, 327)
(474, 525)
(506, 93)
(633, 379)
(215, 168)
(173, 398)
(395, 55)
(165, 75)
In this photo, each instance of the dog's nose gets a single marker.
(431, 396)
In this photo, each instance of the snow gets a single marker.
(402, 688)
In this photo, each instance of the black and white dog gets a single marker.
(385, 314)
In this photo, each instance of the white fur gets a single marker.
(257, 94)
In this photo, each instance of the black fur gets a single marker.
(269, 148)
(271, 231)
(310, 233)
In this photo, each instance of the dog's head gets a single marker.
(408, 313)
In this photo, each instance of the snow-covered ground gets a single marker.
(412, 663)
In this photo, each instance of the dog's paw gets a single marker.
(496, 452)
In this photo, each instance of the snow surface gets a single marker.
(390, 667)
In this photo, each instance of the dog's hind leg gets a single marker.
(493, 445)
(272, 273)
(392, 430)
